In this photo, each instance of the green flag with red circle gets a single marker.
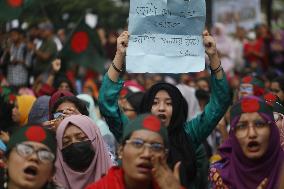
(84, 48)
(11, 9)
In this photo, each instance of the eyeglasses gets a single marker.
(241, 129)
(277, 116)
(140, 144)
(58, 115)
(26, 150)
(246, 89)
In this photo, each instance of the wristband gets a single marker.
(216, 68)
(116, 69)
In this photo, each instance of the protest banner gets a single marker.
(166, 36)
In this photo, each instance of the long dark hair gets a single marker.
(181, 148)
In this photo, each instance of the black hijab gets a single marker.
(181, 148)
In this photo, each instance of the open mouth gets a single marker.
(253, 146)
(31, 170)
(162, 117)
(145, 167)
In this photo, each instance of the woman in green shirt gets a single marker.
(166, 102)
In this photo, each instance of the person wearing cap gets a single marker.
(278, 113)
(252, 156)
(251, 85)
(82, 157)
(143, 152)
(29, 159)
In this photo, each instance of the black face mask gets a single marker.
(78, 156)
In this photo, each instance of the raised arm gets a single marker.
(201, 126)
(116, 67)
(111, 86)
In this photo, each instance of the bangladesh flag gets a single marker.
(84, 48)
(10, 9)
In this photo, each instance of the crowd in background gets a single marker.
(74, 105)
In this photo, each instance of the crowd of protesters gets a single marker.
(72, 128)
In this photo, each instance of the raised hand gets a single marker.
(122, 42)
(4, 136)
(210, 44)
(56, 65)
(163, 175)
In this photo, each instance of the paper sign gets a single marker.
(166, 36)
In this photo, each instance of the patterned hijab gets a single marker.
(238, 171)
(69, 178)
(278, 108)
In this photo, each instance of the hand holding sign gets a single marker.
(166, 36)
(209, 43)
(122, 42)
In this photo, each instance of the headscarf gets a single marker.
(192, 102)
(55, 97)
(104, 129)
(69, 178)
(180, 143)
(39, 110)
(238, 170)
(26, 91)
(275, 102)
(92, 114)
(90, 84)
(258, 85)
(25, 103)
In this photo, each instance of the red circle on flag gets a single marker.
(80, 42)
(15, 3)
(247, 79)
(250, 105)
(152, 123)
(35, 133)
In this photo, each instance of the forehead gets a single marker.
(246, 85)
(36, 145)
(64, 83)
(147, 136)
(202, 82)
(162, 94)
(72, 129)
(65, 105)
(250, 116)
(275, 85)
